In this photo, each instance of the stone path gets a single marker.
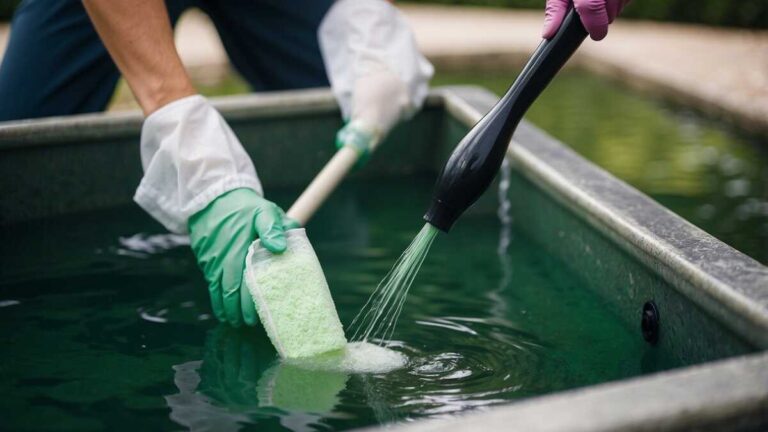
(721, 71)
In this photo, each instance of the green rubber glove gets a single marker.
(220, 235)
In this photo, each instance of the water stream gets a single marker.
(377, 320)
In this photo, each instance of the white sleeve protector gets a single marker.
(190, 156)
(376, 71)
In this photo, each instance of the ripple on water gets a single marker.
(183, 312)
(481, 368)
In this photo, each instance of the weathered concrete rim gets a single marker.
(724, 395)
(723, 281)
(85, 127)
(51, 130)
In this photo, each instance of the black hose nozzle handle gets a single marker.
(476, 160)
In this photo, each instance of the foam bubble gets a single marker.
(355, 358)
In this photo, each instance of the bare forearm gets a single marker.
(138, 36)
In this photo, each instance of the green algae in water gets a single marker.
(102, 333)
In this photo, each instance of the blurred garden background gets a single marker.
(736, 13)
(674, 101)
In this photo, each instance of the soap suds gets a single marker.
(355, 358)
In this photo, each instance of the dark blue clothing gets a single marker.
(55, 63)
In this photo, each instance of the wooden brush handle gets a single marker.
(323, 185)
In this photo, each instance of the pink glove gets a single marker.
(595, 15)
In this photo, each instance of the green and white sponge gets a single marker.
(292, 298)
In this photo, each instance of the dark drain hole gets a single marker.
(650, 322)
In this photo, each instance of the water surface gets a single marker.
(105, 323)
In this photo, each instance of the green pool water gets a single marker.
(704, 171)
(105, 324)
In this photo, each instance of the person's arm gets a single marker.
(376, 71)
(139, 38)
(198, 178)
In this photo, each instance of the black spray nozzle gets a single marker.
(476, 160)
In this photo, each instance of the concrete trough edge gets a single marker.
(725, 395)
(723, 281)
(96, 126)
(84, 127)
